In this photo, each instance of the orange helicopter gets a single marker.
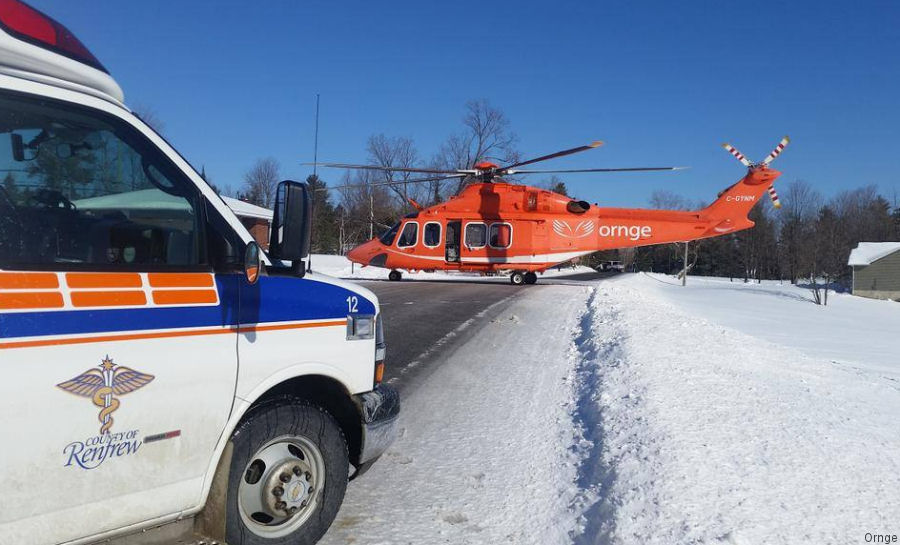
(495, 227)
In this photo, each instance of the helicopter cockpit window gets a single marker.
(501, 235)
(431, 235)
(409, 235)
(476, 235)
(387, 238)
(84, 190)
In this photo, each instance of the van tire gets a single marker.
(272, 427)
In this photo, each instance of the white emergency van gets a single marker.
(161, 375)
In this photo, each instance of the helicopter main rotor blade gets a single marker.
(633, 169)
(592, 145)
(397, 182)
(395, 169)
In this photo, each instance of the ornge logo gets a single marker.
(631, 232)
(585, 228)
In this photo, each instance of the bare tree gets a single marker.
(397, 152)
(666, 200)
(149, 116)
(261, 182)
(368, 208)
(486, 136)
(801, 205)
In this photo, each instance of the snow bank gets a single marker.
(724, 423)
(486, 448)
(341, 267)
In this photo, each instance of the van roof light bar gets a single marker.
(28, 24)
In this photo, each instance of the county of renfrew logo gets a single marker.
(103, 384)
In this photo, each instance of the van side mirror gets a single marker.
(291, 223)
(18, 147)
(253, 263)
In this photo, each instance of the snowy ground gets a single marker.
(638, 411)
(485, 453)
(745, 414)
(341, 267)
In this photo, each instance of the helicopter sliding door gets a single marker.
(451, 247)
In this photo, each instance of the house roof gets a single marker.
(247, 210)
(142, 199)
(867, 253)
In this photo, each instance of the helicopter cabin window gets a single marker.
(387, 238)
(431, 236)
(409, 235)
(501, 235)
(476, 235)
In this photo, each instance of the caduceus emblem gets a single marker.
(103, 384)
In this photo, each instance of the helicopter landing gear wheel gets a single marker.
(394, 276)
(530, 278)
(517, 278)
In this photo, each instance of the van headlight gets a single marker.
(360, 326)
(379, 340)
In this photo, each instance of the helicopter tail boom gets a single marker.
(730, 210)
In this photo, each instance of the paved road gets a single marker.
(420, 318)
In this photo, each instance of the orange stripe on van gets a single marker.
(108, 298)
(165, 334)
(31, 300)
(181, 280)
(184, 297)
(35, 281)
(103, 280)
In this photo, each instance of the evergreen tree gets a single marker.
(325, 225)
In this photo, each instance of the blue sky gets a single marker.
(662, 83)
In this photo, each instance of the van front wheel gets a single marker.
(288, 475)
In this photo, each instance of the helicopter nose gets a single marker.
(355, 255)
(362, 253)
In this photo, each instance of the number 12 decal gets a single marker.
(351, 303)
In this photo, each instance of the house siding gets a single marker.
(880, 279)
(259, 228)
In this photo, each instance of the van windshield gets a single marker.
(80, 188)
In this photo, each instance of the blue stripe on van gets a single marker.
(272, 299)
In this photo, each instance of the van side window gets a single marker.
(501, 235)
(81, 189)
(409, 235)
(431, 236)
(476, 235)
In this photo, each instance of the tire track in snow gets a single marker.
(598, 343)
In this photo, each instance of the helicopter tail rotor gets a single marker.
(777, 151)
(763, 164)
(737, 155)
(774, 196)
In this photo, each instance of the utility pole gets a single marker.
(684, 272)
(341, 233)
(315, 176)
(371, 214)
(316, 141)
